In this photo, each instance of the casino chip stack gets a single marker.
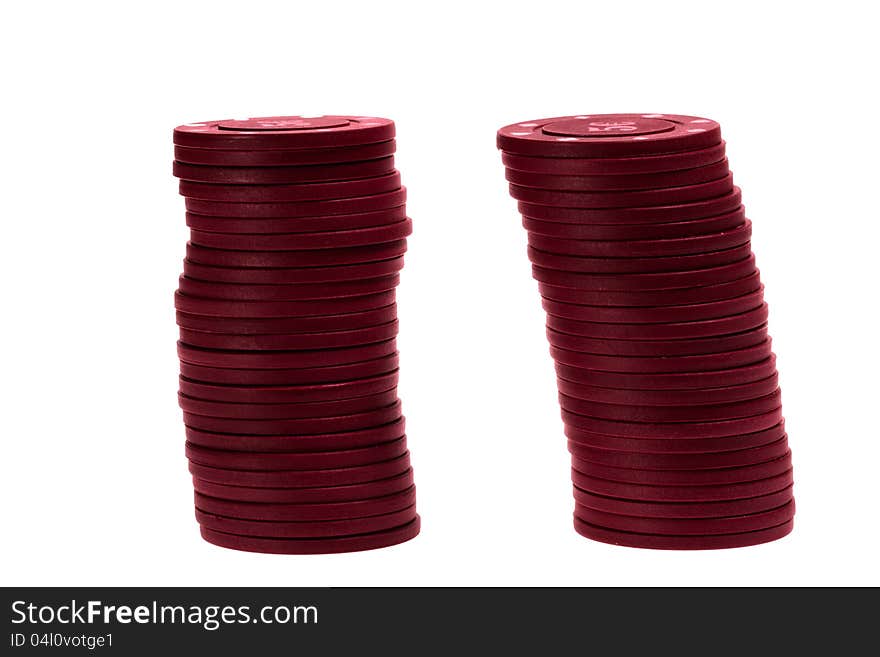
(288, 328)
(656, 320)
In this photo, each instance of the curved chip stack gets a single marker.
(288, 326)
(657, 323)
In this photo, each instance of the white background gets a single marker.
(95, 489)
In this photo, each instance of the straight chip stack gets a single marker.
(288, 325)
(657, 324)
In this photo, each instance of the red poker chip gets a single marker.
(281, 427)
(705, 413)
(303, 241)
(692, 398)
(238, 175)
(675, 445)
(290, 193)
(709, 493)
(290, 377)
(649, 214)
(607, 200)
(294, 259)
(658, 314)
(292, 275)
(669, 542)
(316, 443)
(660, 231)
(710, 477)
(323, 495)
(656, 265)
(285, 292)
(717, 509)
(273, 461)
(670, 380)
(275, 325)
(302, 308)
(670, 280)
(346, 206)
(688, 526)
(284, 157)
(664, 430)
(307, 512)
(264, 411)
(626, 166)
(664, 364)
(609, 135)
(643, 248)
(359, 543)
(673, 297)
(290, 394)
(622, 182)
(303, 478)
(737, 323)
(293, 426)
(675, 461)
(281, 360)
(318, 529)
(297, 225)
(272, 132)
(307, 307)
(654, 348)
(290, 341)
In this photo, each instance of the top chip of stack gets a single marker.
(273, 132)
